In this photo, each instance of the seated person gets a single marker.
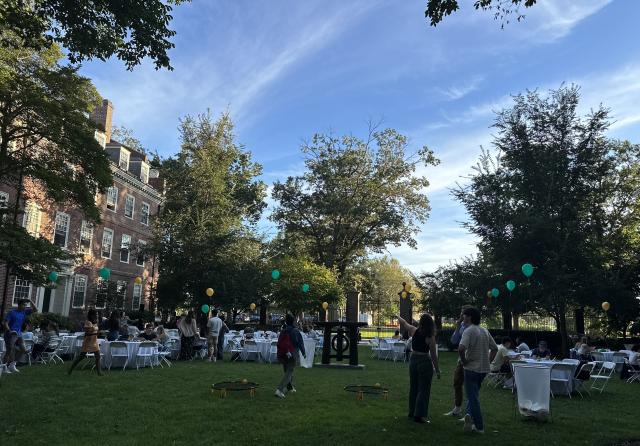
(542, 351)
(163, 337)
(521, 346)
(396, 336)
(49, 330)
(500, 363)
(148, 334)
(583, 349)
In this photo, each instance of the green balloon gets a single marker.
(305, 288)
(275, 274)
(527, 269)
(105, 273)
(205, 308)
(511, 285)
(495, 292)
(53, 276)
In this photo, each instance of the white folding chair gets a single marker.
(582, 377)
(28, 346)
(251, 350)
(50, 353)
(533, 389)
(119, 349)
(236, 348)
(634, 372)
(619, 359)
(562, 373)
(148, 352)
(603, 376)
(165, 351)
(273, 352)
(398, 351)
(386, 350)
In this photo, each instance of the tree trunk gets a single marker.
(579, 316)
(506, 318)
(516, 321)
(263, 311)
(438, 321)
(562, 328)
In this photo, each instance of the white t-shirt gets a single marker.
(214, 325)
(523, 348)
(478, 343)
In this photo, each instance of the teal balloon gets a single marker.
(305, 288)
(105, 273)
(205, 308)
(527, 269)
(275, 274)
(511, 285)
(495, 292)
(53, 276)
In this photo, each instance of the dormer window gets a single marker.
(124, 159)
(144, 173)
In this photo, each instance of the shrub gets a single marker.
(64, 323)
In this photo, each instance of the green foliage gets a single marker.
(98, 29)
(355, 197)
(286, 292)
(63, 322)
(437, 10)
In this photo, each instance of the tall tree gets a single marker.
(204, 233)
(541, 200)
(356, 196)
(502, 10)
(130, 30)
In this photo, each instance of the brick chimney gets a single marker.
(101, 115)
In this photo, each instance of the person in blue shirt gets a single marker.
(12, 326)
(458, 373)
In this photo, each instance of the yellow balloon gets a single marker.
(325, 305)
(138, 280)
(252, 306)
(404, 294)
(489, 294)
(606, 306)
(209, 292)
(407, 288)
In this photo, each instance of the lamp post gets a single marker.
(406, 305)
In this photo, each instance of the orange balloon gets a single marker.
(209, 292)
(606, 306)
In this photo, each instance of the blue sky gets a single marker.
(287, 69)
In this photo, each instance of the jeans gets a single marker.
(420, 376)
(458, 383)
(286, 383)
(472, 382)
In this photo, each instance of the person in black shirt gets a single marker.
(148, 334)
(542, 351)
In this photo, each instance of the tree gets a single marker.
(355, 197)
(542, 200)
(98, 29)
(125, 136)
(287, 292)
(437, 10)
(48, 141)
(204, 235)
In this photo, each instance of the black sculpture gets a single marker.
(345, 338)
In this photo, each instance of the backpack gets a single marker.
(285, 345)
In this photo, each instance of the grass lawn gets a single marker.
(43, 406)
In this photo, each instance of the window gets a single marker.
(21, 290)
(124, 159)
(144, 173)
(79, 291)
(32, 218)
(107, 243)
(140, 258)
(124, 248)
(112, 198)
(102, 292)
(4, 203)
(137, 295)
(86, 237)
(61, 233)
(144, 214)
(129, 204)
(121, 293)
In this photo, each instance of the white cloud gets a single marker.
(456, 92)
(556, 19)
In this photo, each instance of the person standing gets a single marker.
(289, 344)
(458, 372)
(12, 324)
(477, 350)
(188, 332)
(90, 341)
(213, 332)
(423, 361)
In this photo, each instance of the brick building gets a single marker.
(127, 210)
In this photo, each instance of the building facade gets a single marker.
(127, 210)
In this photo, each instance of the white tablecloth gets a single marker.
(132, 351)
(556, 387)
(310, 350)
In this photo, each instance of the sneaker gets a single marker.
(215, 359)
(468, 423)
(456, 412)
(292, 390)
(461, 420)
(477, 431)
(13, 369)
(279, 394)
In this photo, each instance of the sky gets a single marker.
(285, 70)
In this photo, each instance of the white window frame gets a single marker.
(125, 246)
(55, 228)
(4, 202)
(124, 159)
(23, 285)
(86, 231)
(146, 206)
(140, 244)
(137, 294)
(133, 206)
(144, 173)
(112, 192)
(77, 278)
(99, 284)
(33, 211)
(106, 231)
(120, 283)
